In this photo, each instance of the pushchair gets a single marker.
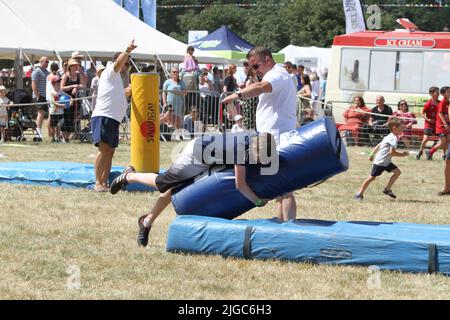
(20, 119)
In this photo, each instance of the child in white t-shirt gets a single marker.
(382, 159)
(239, 125)
(56, 109)
(4, 102)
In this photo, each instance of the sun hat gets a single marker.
(100, 68)
(72, 62)
(77, 54)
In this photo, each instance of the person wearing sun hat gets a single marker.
(238, 126)
(72, 82)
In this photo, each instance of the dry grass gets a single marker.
(45, 230)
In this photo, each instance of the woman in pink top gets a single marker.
(190, 63)
(408, 118)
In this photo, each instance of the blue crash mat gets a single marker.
(390, 246)
(57, 174)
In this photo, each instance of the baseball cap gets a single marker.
(55, 79)
(237, 117)
(209, 66)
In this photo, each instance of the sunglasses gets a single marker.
(255, 66)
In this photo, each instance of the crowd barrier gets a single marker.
(199, 111)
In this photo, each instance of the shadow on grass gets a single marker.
(416, 201)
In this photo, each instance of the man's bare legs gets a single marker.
(102, 162)
(286, 207)
(40, 121)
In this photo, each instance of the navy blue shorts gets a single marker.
(105, 130)
(378, 170)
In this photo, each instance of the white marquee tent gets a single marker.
(10, 41)
(99, 27)
(312, 57)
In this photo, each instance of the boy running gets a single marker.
(429, 114)
(442, 124)
(383, 154)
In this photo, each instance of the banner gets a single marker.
(132, 6)
(354, 17)
(149, 11)
(119, 2)
(195, 35)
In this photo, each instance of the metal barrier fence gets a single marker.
(358, 132)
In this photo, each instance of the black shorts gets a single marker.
(378, 170)
(56, 120)
(105, 130)
(43, 107)
(429, 132)
(170, 179)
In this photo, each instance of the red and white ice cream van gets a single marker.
(401, 64)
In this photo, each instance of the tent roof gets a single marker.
(10, 41)
(323, 54)
(99, 27)
(222, 39)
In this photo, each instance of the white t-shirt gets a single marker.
(277, 110)
(236, 128)
(111, 101)
(383, 157)
(3, 102)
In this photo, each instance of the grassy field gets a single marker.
(47, 235)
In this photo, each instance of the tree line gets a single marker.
(276, 24)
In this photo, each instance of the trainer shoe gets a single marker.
(359, 196)
(142, 238)
(389, 193)
(121, 181)
(418, 155)
(429, 155)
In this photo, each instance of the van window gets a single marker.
(383, 70)
(436, 69)
(354, 73)
(410, 67)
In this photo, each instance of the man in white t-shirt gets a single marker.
(276, 111)
(109, 111)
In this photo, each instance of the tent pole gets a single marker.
(135, 65)
(59, 58)
(92, 60)
(163, 66)
(28, 59)
(18, 67)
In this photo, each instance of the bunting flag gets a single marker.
(149, 11)
(354, 17)
(132, 6)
